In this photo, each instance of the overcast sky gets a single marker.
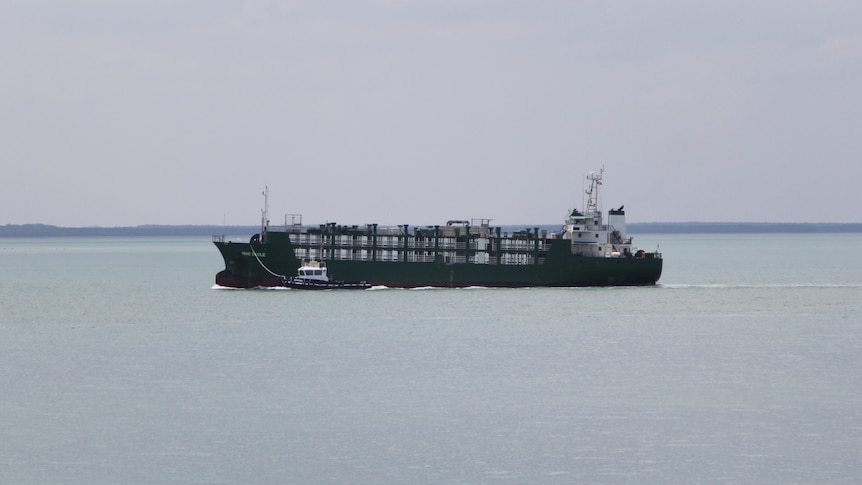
(116, 113)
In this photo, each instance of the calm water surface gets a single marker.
(120, 363)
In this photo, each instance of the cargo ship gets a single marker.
(585, 251)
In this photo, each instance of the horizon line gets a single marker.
(629, 223)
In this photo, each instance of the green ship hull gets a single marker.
(249, 265)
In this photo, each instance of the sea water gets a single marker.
(120, 362)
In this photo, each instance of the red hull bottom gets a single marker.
(226, 279)
(229, 280)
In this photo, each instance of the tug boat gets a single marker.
(312, 275)
(585, 251)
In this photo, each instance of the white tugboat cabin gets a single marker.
(312, 270)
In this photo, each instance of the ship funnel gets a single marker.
(617, 222)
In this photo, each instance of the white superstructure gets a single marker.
(589, 235)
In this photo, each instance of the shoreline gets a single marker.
(45, 230)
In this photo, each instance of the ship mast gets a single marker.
(592, 205)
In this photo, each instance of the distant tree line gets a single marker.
(740, 227)
(44, 230)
